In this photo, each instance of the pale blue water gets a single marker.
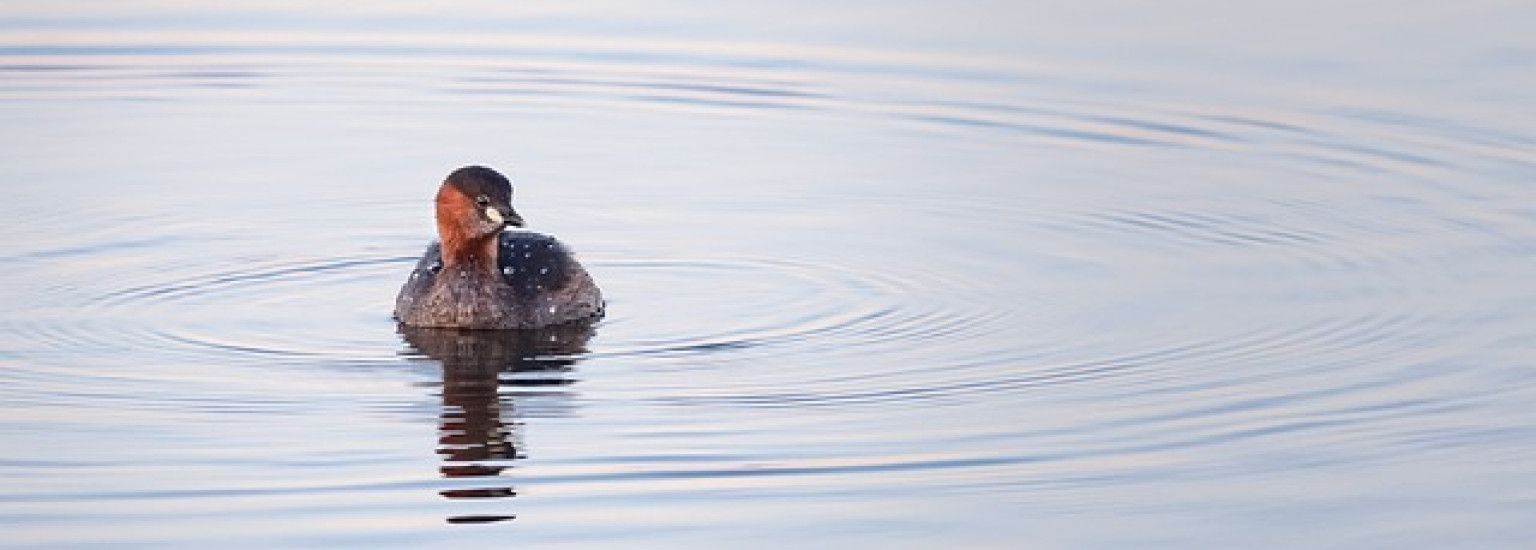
(899, 274)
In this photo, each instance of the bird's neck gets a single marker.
(478, 253)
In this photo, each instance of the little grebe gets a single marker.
(480, 277)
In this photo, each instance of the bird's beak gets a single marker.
(506, 216)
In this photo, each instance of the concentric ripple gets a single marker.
(792, 303)
(194, 310)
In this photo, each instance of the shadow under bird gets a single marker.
(481, 275)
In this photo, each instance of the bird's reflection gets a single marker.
(476, 437)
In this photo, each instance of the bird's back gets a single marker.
(538, 283)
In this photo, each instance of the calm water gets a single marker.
(901, 274)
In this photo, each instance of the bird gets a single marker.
(485, 272)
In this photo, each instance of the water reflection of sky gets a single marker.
(1114, 274)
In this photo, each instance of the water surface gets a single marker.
(985, 275)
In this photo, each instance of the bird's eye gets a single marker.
(482, 201)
